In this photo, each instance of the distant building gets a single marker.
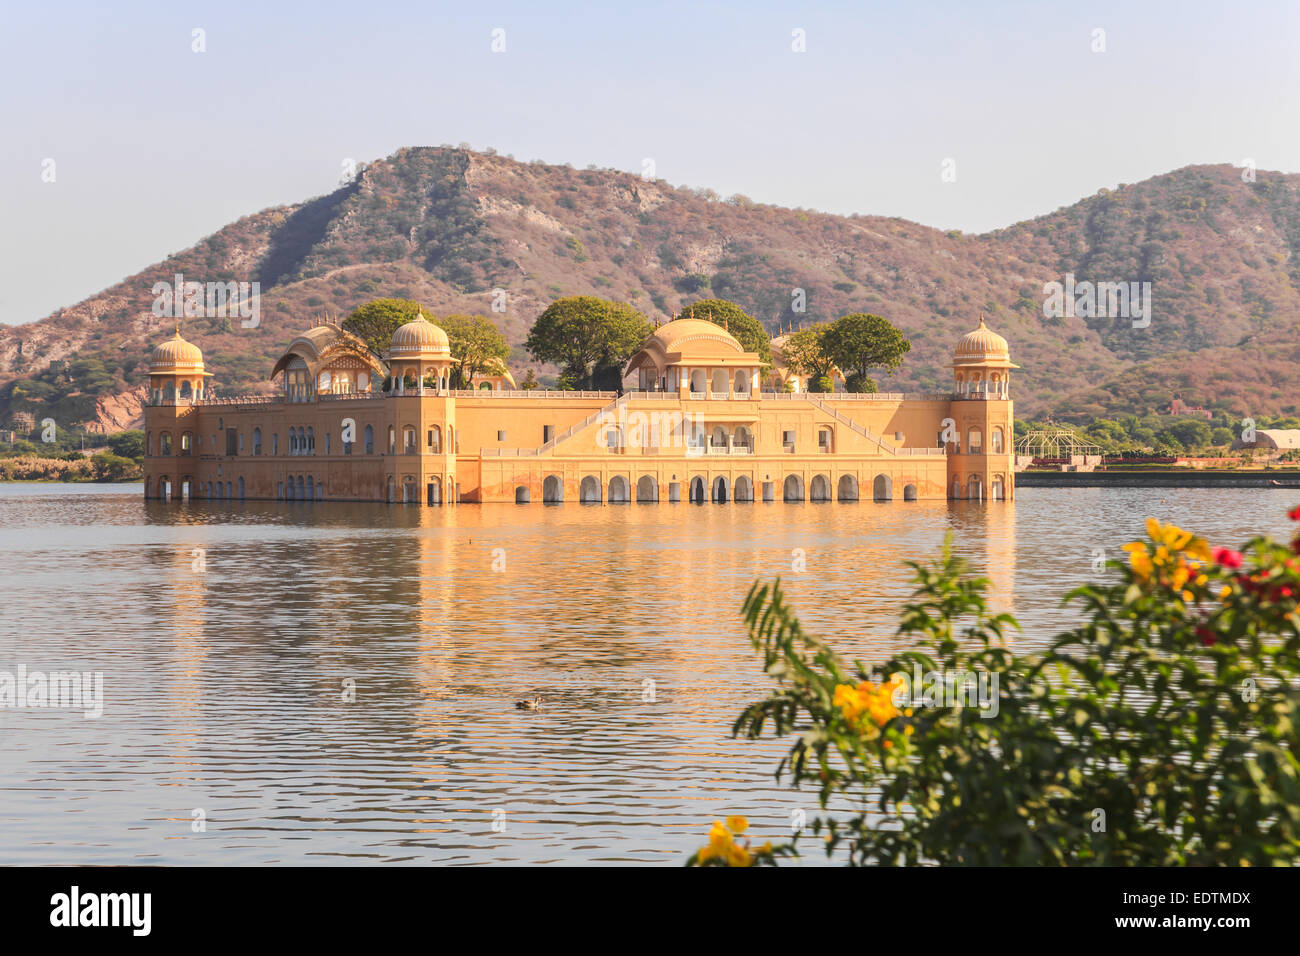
(24, 422)
(1270, 440)
(1179, 408)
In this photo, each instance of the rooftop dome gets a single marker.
(176, 355)
(694, 335)
(982, 345)
(419, 338)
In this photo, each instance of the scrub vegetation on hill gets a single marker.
(462, 231)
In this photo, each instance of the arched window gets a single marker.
(165, 443)
(370, 440)
(169, 393)
(997, 441)
(186, 391)
(257, 441)
(311, 440)
(408, 440)
(392, 440)
(293, 441)
(275, 444)
(187, 443)
(976, 439)
(148, 446)
(435, 439)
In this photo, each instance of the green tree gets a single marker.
(804, 354)
(859, 342)
(128, 444)
(591, 339)
(477, 346)
(530, 381)
(746, 329)
(374, 322)
(110, 467)
(1191, 432)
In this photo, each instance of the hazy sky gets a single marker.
(156, 146)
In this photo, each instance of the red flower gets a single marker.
(1284, 591)
(1227, 557)
(1206, 635)
(1294, 513)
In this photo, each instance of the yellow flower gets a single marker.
(722, 844)
(738, 856)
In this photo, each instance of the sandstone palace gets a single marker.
(703, 422)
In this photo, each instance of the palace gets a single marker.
(700, 425)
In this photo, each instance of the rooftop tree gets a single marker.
(477, 346)
(861, 342)
(591, 339)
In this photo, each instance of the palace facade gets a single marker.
(703, 423)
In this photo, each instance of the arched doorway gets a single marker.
(241, 487)
(975, 489)
(956, 488)
(647, 490)
(433, 493)
(720, 490)
(552, 490)
(522, 495)
(744, 489)
(909, 492)
(820, 490)
(882, 489)
(589, 491)
(997, 491)
(697, 490)
(793, 490)
(848, 488)
(619, 491)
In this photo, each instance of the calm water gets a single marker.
(224, 688)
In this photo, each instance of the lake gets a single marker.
(334, 683)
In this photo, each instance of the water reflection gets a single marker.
(338, 684)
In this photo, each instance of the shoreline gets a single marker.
(1190, 478)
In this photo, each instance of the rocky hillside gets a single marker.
(448, 226)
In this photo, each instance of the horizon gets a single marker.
(716, 102)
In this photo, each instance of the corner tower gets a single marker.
(980, 459)
(176, 385)
(422, 430)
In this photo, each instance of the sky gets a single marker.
(123, 144)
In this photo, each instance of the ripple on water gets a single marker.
(224, 688)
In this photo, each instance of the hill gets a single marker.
(448, 226)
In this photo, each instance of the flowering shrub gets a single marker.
(1162, 730)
